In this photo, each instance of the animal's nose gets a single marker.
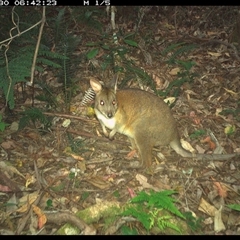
(109, 115)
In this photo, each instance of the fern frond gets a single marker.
(163, 223)
(48, 62)
(159, 200)
(139, 214)
(164, 200)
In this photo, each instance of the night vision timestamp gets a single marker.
(28, 2)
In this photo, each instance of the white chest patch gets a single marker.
(108, 122)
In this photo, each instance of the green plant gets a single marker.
(116, 54)
(195, 224)
(34, 115)
(3, 125)
(234, 207)
(66, 44)
(76, 145)
(125, 230)
(55, 52)
(152, 210)
(184, 75)
(19, 67)
(197, 133)
(234, 112)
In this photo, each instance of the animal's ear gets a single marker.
(113, 82)
(96, 85)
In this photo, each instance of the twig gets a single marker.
(86, 134)
(19, 34)
(59, 218)
(24, 220)
(37, 48)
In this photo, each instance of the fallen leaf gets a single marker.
(214, 54)
(131, 192)
(218, 223)
(222, 191)
(207, 208)
(186, 145)
(14, 126)
(230, 129)
(41, 216)
(8, 144)
(9, 168)
(26, 201)
(66, 123)
(4, 188)
(169, 100)
(174, 71)
(132, 154)
(29, 179)
(11, 205)
(208, 140)
(230, 91)
(194, 118)
(143, 181)
(99, 182)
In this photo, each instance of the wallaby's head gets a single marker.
(105, 100)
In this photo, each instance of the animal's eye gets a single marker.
(113, 102)
(101, 102)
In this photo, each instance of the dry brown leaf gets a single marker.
(4, 188)
(186, 145)
(199, 149)
(27, 200)
(131, 192)
(230, 91)
(157, 80)
(214, 54)
(207, 208)
(169, 100)
(194, 118)
(41, 216)
(77, 157)
(33, 135)
(174, 71)
(222, 191)
(29, 179)
(211, 33)
(143, 181)
(8, 144)
(208, 140)
(132, 154)
(218, 223)
(98, 181)
(10, 169)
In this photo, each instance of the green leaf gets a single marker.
(138, 213)
(116, 194)
(91, 44)
(131, 42)
(234, 206)
(197, 133)
(93, 53)
(49, 203)
(85, 195)
(2, 126)
(128, 231)
(59, 187)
